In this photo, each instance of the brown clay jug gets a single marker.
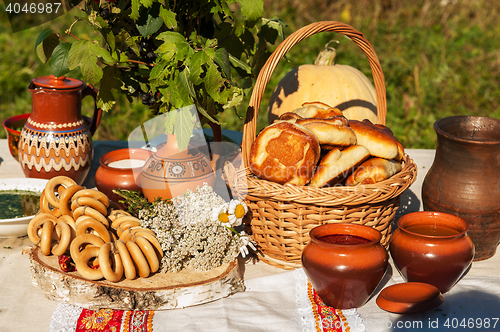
(56, 139)
(170, 172)
(344, 263)
(464, 179)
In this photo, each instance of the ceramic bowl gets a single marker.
(11, 126)
(16, 227)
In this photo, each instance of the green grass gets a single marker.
(438, 60)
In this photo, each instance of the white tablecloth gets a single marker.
(269, 304)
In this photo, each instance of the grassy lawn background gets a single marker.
(440, 58)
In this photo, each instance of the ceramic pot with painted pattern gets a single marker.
(56, 139)
(170, 172)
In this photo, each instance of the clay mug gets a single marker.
(344, 263)
(432, 247)
(56, 139)
(120, 169)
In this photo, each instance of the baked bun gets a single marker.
(331, 131)
(337, 164)
(378, 141)
(285, 153)
(317, 110)
(374, 170)
(289, 116)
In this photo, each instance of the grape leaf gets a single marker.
(147, 3)
(82, 54)
(184, 125)
(252, 10)
(45, 44)
(59, 59)
(110, 80)
(222, 59)
(168, 18)
(135, 9)
(149, 20)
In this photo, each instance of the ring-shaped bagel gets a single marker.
(126, 225)
(121, 219)
(89, 211)
(51, 188)
(45, 208)
(78, 242)
(99, 195)
(96, 226)
(110, 262)
(128, 263)
(140, 261)
(36, 223)
(117, 213)
(89, 201)
(67, 220)
(65, 198)
(149, 252)
(63, 231)
(152, 239)
(46, 238)
(82, 264)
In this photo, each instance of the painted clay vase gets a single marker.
(56, 139)
(120, 169)
(464, 179)
(432, 247)
(344, 263)
(170, 172)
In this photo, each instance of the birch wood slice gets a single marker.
(159, 291)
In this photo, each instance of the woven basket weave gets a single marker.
(283, 215)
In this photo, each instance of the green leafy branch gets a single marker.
(168, 54)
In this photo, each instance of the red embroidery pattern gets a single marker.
(104, 320)
(108, 320)
(138, 321)
(327, 318)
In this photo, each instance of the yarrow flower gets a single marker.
(221, 214)
(246, 241)
(237, 210)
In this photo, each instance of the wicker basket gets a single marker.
(283, 215)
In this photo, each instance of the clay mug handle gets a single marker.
(89, 90)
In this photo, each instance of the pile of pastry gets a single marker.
(316, 145)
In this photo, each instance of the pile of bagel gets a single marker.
(104, 241)
(316, 145)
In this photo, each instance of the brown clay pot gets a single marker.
(169, 172)
(11, 126)
(344, 275)
(464, 179)
(111, 176)
(56, 139)
(432, 247)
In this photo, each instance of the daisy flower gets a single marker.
(220, 214)
(237, 210)
(246, 240)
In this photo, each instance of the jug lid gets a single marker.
(53, 82)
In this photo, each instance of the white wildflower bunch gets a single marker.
(189, 234)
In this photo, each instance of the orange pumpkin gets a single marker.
(339, 86)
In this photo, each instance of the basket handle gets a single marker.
(250, 126)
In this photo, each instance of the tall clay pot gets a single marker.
(464, 179)
(344, 263)
(56, 139)
(170, 172)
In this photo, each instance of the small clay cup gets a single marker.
(432, 247)
(344, 275)
(109, 178)
(11, 125)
